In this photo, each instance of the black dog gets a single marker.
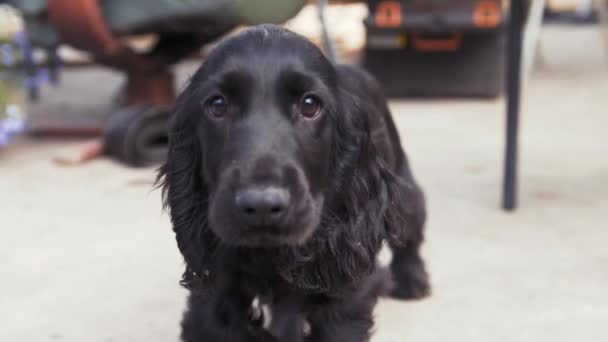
(285, 175)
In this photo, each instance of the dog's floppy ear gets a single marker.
(375, 199)
(392, 201)
(361, 188)
(184, 191)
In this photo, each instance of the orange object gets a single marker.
(433, 44)
(389, 14)
(487, 14)
(90, 151)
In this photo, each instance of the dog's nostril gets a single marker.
(266, 203)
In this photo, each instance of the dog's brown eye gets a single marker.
(310, 106)
(217, 106)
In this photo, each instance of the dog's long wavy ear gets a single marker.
(377, 201)
(404, 210)
(184, 191)
(399, 203)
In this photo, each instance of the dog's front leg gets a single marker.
(341, 323)
(221, 317)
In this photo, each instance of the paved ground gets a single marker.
(86, 255)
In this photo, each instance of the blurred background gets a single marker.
(508, 98)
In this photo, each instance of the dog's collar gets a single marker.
(260, 317)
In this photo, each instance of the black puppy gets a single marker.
(285, 175)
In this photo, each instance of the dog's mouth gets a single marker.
(263, 229)
(269, 236)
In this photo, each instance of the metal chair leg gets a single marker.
(515, 41)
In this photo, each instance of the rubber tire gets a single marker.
(137, 136)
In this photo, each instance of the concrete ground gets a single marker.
(87, 255)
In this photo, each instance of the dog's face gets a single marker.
(265, 131)
(270, 146)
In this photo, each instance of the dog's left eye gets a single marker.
(217, 106)
(310, 106)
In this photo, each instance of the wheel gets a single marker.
(137, 136)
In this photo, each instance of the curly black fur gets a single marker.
(369, 196)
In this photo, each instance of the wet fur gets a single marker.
(332, 279)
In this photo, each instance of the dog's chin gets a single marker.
(268, 236)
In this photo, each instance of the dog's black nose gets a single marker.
(262, 205)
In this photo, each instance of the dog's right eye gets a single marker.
(310, 106)
(217, 106)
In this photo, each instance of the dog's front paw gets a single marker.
(411, 280)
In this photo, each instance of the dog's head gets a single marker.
(264, 128)
(268, 149)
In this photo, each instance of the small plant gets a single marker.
(12, 113)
